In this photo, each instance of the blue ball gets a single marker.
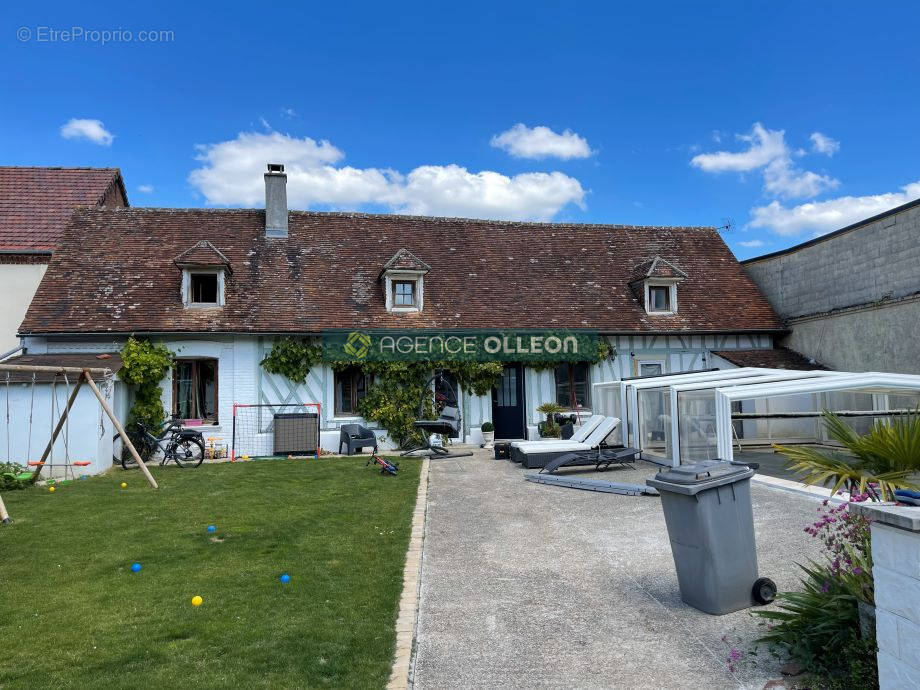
(285, 578)
(212, 528)
(135, 567)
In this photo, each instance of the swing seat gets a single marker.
(81, 463)
(35, 463)
(23, 476)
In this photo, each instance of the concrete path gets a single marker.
(526, 585)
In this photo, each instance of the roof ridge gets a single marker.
(401, 216)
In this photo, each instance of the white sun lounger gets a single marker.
(579, 436)
(538, 454)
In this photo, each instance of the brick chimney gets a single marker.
(276, 211)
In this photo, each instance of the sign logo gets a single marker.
(357, 344)
(455, 345)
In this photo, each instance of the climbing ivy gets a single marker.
(144, 364)
(605, 351)
(293, 358)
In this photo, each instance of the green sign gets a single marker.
(420, 345)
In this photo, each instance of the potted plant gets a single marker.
(488, 433)
(549, 428)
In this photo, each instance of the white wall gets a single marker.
(241, 378)
(18, 283)
(90, 438)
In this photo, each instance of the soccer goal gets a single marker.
(267, 430)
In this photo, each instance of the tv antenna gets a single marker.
(727, 224)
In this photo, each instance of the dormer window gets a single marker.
(403, 278)
(655, 282)
(204, 275)
(404, 293)
(203, 288)
(661, 299)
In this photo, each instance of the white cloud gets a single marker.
(145, 188)
(288, 112)
(781, 178)
(752, 244)
(764, 146)
(821, 143)
(522, 141)
(767, 150)
(231, 174)
(825, 216)
(91, 130)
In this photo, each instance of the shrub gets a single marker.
(877, 463)
(818, 625)
(8, 480)
(487, 427)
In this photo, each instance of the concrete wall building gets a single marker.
(851, 299)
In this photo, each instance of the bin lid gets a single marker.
(698, 476)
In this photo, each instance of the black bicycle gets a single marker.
(183, 446)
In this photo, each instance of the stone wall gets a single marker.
(852, 299)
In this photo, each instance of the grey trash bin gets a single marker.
(707, 508)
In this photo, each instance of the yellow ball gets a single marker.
(124, 485)
(51, 489)
(196, 600)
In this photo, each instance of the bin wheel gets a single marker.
(764, 591)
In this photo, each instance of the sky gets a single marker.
(780, 120)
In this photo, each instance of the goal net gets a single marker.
(275, 430)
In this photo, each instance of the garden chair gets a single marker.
(356, 437)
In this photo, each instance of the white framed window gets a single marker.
(404, 290)
(660, 297)
(203, 287)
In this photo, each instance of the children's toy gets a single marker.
(196, 601)
(212, 528)
(135, 567)
(285, 578)
(124, 485)
(51, 489)
(386, 467)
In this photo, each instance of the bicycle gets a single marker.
(183, 446)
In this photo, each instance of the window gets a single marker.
(203, 288)
(403, 293)
(350, 388)
(195, 389)
(649, 368)
(659, 298)
(572, 378)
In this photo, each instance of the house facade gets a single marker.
(851, 298)
(218, 287)
(35, 207)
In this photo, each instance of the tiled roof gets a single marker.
(406, 261)
(36, 203)
(202, 253)
(657, 268)
(779, 358)
(114, 272)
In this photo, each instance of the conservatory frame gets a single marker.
(626, 392)
(767, 376)
(870, 382)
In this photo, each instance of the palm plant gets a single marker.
(876, 463)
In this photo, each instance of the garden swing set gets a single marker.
(60, 418)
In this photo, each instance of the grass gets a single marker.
(75, 616)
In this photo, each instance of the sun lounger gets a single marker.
(537, 455)
(579, 436)
(602, 458)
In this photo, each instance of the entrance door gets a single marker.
(508, 403)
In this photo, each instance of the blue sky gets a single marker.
(790, 118)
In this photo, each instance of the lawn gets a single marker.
(74, 615)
